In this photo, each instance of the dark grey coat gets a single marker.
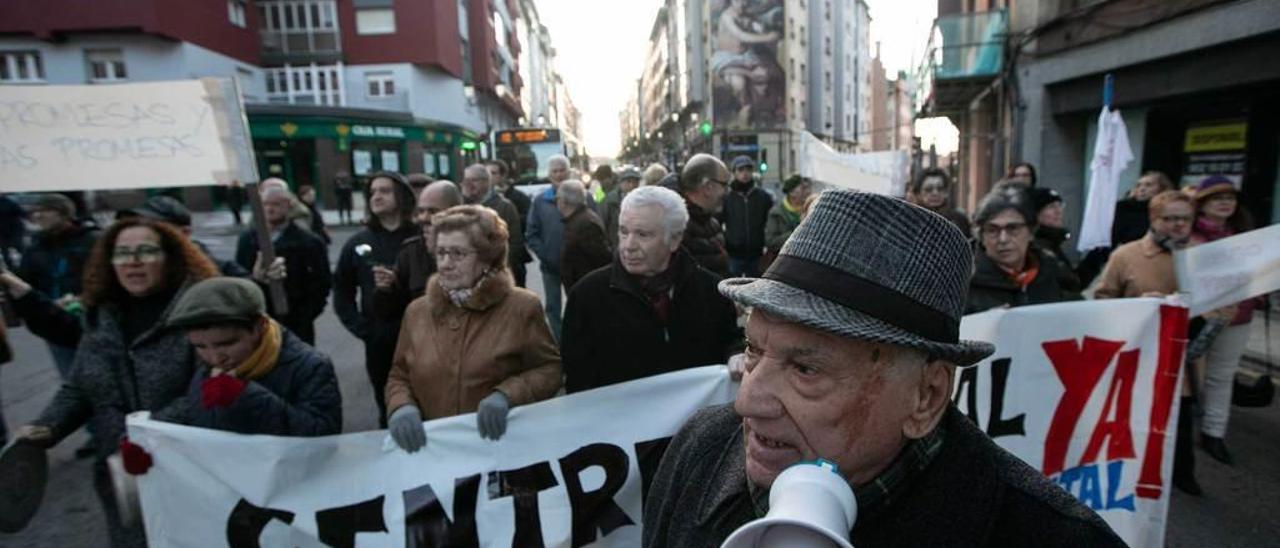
(972, 494)
(299, 397)
(111, 378)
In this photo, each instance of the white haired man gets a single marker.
(654, 310)
(545, 234)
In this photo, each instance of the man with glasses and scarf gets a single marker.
(703, 184)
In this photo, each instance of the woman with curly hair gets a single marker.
(127, 360)
(474, 342)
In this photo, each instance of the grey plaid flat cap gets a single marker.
(873, 267)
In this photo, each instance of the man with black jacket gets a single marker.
(744, 214)
(388, 223)
(54, 263)
(503, 186)
(703, 184)
(653, 310)
(414, 264)
(301, 260)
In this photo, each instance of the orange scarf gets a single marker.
(263, 359)
(1027, 275)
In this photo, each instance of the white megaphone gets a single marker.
(810, 506)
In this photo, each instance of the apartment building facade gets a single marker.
(333, 88)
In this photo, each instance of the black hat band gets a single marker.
(865, 296)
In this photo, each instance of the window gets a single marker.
(375, 21)
(106, 65)
(826, 44)
(826, 80)
(380, 84)
(21, 67)
(235, 13)
(464, 40)
(499, 30)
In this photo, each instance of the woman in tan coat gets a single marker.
(474, 341)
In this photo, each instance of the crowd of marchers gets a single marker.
(138, 316)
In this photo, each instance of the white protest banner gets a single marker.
(570, 471)
(1086, 393)
(818, 161)
(107, 137)
(1230, 270)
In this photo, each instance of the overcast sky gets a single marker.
(600, 47)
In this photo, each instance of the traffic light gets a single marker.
(764, 161)
(469, 145)
(705, 127)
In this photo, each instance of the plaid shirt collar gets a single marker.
(882, 491)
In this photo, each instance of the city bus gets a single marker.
(526, 151)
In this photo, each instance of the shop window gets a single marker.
(361, 162)
(375, 21)
(106, 65)
(18, 67)
(390, 160)
(380, 84)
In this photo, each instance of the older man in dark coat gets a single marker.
(654, 310)
(852, 346)
(703, 184)
(585, 247)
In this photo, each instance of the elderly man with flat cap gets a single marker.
(852, 346)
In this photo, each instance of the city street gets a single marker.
(1239, 507)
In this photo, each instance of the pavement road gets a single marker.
(1241, 506)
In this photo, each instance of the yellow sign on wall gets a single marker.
(1216, 137)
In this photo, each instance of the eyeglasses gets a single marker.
(1222, 197)
(994, 231)
(428, 210)
(453, 254)
(933, 189)
(1175, 219)
(724, 184)
(141, 254)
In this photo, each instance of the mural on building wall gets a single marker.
(747, 81)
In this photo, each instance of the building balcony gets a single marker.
(295, 31)
(306, 85)
(964, 55)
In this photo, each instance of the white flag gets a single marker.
(1111, 154)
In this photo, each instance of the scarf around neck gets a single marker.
(264, 357)
(459, 297)
(1212, 231)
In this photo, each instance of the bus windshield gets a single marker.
(527, 152)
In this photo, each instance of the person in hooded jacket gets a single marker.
(1010, 271)
(128, 359)
(388, 223)
(257, 378)
(744, 213)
